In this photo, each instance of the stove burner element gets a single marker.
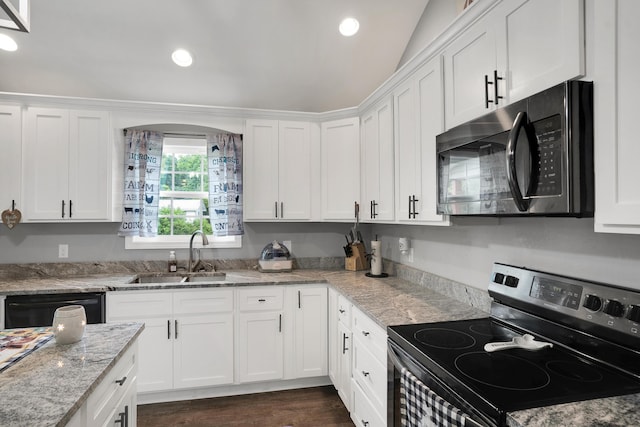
(575, 371)
(444, 338)
(502, 371)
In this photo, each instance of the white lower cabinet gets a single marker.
(309, 330)
(188, 337)
(363, 411)
(359, 362)
(369, 365)
(113, 402)
(260, 334)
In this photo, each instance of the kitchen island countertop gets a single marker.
(47, 387)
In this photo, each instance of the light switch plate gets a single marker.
(287, 243)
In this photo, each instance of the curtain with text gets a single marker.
(142, 162)
(224, 156)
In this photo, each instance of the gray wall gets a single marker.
(28, 243)
(466, 251)
(436, 17)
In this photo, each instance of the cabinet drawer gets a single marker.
(370, 334)
(103, 400)
(261, 299)
(344, 311)
(363, 412)
(207, 301)
(137, 305)
(370, 374)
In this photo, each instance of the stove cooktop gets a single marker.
(506, 380)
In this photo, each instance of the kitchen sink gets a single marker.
(158, 278)
(206, 276)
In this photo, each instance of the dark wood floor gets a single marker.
(318, 406)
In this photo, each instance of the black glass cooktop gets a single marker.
(506, 380)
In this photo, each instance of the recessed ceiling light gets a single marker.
(7, 43)
(349, 26)
(182, 57)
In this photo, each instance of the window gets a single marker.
(184, 198)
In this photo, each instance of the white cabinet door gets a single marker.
(376, 135)
(431, 123)
(616, 59)
(310, 331)
(10, 161)
(260, 346)
(277, 170)
(46, 164)
(67, 165)
(203, 350)
(340, 168)
(345, 352)
(332, 323)
(295, 171)
(260, 171)
(470, 62)
(540, 43)
(418, 119)
(89, 166)
(517, 49)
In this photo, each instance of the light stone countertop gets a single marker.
(409, 297)
(48, 386)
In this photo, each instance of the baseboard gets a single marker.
(230, 390)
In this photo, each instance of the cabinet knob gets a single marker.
(121, 381)
(365, 333)
(342, 311)
(364, 423)
(365, 373)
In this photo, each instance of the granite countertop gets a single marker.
(414, 297)
(48, 386)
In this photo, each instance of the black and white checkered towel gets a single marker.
(421, 407)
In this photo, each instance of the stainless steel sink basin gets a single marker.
(203, 277)
(207, 276)
(158, 278)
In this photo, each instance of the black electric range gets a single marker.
(595, 352)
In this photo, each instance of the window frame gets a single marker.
(183, 145)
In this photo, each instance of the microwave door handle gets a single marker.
(512, 177)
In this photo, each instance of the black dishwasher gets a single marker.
(22, 311)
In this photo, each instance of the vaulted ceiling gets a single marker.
(269, 54)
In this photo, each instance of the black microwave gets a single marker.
(532, 157)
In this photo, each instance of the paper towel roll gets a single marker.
(376, 257)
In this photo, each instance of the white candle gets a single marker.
(376, 257)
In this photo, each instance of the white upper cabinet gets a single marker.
(376, 139)
(340, 168)
(67, 165)
(518, 48)
(616, 59)
(277, 172)
(11, 143)
(418, 115)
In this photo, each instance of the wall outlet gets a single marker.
(407, 256)
(287, 243)
(63, 251)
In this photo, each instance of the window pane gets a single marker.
(188, 182)
(189, 162)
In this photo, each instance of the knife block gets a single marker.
(358, 260)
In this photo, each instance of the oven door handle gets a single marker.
(512, 144)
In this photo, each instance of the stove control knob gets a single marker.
(634, 313)
(592, 302)
(614, 308)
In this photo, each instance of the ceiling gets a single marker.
(267, 54)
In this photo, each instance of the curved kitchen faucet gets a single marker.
(205, 242)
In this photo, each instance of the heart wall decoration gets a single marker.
(11, 217)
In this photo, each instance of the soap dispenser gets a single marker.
(173, 262)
